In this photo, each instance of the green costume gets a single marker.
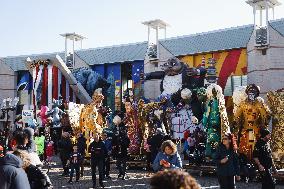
(212, 124)
(39, 141)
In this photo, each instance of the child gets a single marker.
(49, 150)
(74, 162)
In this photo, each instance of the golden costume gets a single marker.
(276, 102)
(91, 121)
(250, 117)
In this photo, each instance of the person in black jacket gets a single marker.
(12, 175)
(263, 158)
(82, 147)
(98, 154)
(65, 150)
(155, 143)
(120, 144)
(37, 178)
(227, 162)
(75, 162)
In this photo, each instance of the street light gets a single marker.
(8, 105)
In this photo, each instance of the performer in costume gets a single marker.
(215, 119)
(89, 122)
(56, 113)
(133, 130)
(276, 103)
(251, 116)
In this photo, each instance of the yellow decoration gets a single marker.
(276, 102)
(250, 117)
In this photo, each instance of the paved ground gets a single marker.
(137, 179)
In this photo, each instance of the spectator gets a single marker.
(108, 146)
(191, 143)
(37, 179)
(227, 162)
(23, 143)
(65, 149)
(82, 147)
(263, 159)
(39, 141)
(120, 144)
(74, 162)
(21, 139)
(98, 153)
(168, 158)
(31, 146)
(49, 150)
(155, 143)
(173, 179)
(12, 175)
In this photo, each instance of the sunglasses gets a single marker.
(225, 139)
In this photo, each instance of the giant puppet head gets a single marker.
(252, 91)
(90, 80)
(173, 66)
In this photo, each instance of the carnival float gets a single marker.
(186, 105)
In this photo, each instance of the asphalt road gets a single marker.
(137, 179)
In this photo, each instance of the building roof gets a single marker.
(225, 39)
(17, 63)
(121, 53)
(218, 40)
(278, 25)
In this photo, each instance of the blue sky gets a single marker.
(33, 26)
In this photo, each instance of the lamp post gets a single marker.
(8, 105)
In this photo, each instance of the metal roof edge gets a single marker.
(209, 32)
(112, 46)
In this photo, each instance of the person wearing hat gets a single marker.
(263, 158)
(251, 116)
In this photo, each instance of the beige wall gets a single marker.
(152, 88)
(267, 71)
(8, 85)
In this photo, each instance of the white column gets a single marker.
(59, 83)
(66, 49)
(254, 14)
(49, 84)
(148, 35)
(157, 41)
(260, 16)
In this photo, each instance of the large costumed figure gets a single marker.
(276, 103)
(134, 131)
(183, 119)
(56, 113)
(251, 115)
(43, 115)
(89, 117)
(215, 119)
(177, 76)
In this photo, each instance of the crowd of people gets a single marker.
(20, 167)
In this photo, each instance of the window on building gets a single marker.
(233, 82)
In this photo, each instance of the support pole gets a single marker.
(65, 49)
(73, 53)
(157, 41)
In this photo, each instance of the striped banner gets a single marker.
(54, 85)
